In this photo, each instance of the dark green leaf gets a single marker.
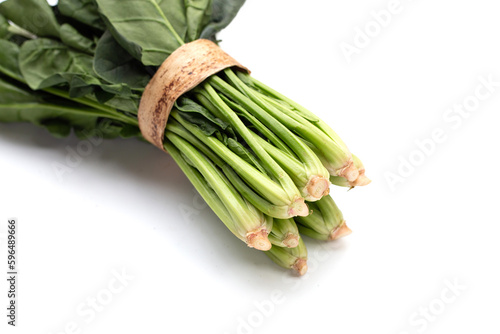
(114, 64)
(35, 16)
(4, 27)
(130, 104)
(118, 89)
(199, 115)
(84, 11)
(147, 26)
(133, 49)
(198, 15)
(223, 12)
(45, 63)
(10, 93)
(129, 131)
(72, 38)
(104, 128)
(8, 60)
(57, 127)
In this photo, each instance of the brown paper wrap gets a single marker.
(182, 71)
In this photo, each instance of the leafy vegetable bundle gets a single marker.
(262, 162)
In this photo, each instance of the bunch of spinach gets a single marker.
(254, 155)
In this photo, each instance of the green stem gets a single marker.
(318, 122)
(259, 126)
(292, 193)
(275, 211)
(54, 107)
(243, 219)
(337, 154)
(181, 131)
(268, 188)
(109, 111)
(255, 199)
(290, 258)
(276, 120)
(292, 166)
(284, 233)
(325, 223)
(201, 185)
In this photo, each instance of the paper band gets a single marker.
(182, 71)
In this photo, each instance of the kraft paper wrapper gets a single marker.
(182, 71)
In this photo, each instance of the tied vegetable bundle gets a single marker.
(262, 162)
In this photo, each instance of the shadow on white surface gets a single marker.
(136, 178)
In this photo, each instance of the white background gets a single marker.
(127, 207)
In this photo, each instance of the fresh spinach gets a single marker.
(156, 27)
(84, 11)
(72, 38)
(223, 13)
(36, 16)
(113, 64)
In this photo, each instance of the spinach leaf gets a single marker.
(198, 15)
(10, 93)
(4, 27)
(8, 60)
(35, 16)
(46, 63)
(84, 11)
(155, 27)
(133, 49)
(223, 12)
(200, 116)
(130, 104)
(71, 37)
(113, 64)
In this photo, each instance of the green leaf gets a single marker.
(4, 27)
(129, 131)
(57, 127)
(223, 12)
(35, 16)
(113, 64)
(126, 104)
(198, 15)
(45, 63)
(104, 128)
(10, 93)
(155, 27)
(200, 116)
(71, 37)
(8, 60)
(84, 11)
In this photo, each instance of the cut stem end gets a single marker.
(317, 187)
(362, 180)
(340, 232)
(291, 240)
(298, 208)
(300, 266)
(258, 240)
(349, 172)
